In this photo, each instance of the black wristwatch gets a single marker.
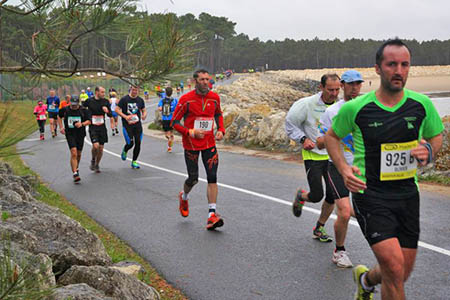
(302, 140)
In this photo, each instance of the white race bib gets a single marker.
(98, 120)
(134, 119)
(42, 117)
(71, 120)
(52, 107)
(205, 124)
(397, 163)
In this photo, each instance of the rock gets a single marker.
(38, 266)
(80, 291)
(254, 107)
(111, 281)
(129, 267)
(63, 239)
(39, 228)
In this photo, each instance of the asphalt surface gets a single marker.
(262, 252)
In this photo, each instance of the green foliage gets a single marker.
(155, 126)
(5, 216)
(439, 179)
(58, 38)
(11, 135)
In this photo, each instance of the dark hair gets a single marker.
(200, 71)
(390, 42)
(97, 88)
(169, 91)
(325, 77)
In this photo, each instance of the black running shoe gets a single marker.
(297, 205)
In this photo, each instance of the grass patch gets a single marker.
(438, 179)
(154, 126)
(117, 249)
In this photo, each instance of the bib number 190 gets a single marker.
(205, 124)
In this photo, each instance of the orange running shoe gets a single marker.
(184, 206)
(214, 221)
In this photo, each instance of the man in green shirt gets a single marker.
(394, 130)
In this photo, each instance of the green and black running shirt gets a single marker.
(383, 138)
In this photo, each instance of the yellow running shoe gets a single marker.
(361, 293)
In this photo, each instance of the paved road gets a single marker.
(262, 252)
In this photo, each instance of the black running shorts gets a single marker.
(210, 159)
(336, 182)
(53, 115)
(98, 134)
(166, 125)
(75, 141)
(382, 219)
(315, 171)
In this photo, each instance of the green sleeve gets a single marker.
(432, 124)
(343, 121)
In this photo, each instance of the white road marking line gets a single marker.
(31, 140)
(274, 199)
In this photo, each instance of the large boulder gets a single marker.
(39, 228)
(112, 282)
(80, 291)
(254, 108)
(35, 270)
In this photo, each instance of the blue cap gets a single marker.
(351, 76)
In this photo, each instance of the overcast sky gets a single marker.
(297, 19)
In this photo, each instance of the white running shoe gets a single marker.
(341, 259)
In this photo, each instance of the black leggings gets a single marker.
(41, 124)
(133, 137)
(210, 159)
(315, 171)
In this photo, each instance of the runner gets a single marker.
(114, 120)
(40, 111)
(301, 126)
(65, 102)
(132, 110)
(75, 121)
(89, 92)
(392, 129)
(53, 108)
(83, 96)
(167, 107)
(98, 106)
(182, 87)
(351, 85)
(199, 109)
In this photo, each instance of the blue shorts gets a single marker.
(114, 114)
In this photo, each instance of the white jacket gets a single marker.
(303, 120)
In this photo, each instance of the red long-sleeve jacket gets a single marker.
(192, 107)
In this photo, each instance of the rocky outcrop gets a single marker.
(39, 228)
(254, 108)
(49, 245)
(111, 281)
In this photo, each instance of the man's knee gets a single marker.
(315, 197)
(191, 180)
(73, 152)
(344, 213)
